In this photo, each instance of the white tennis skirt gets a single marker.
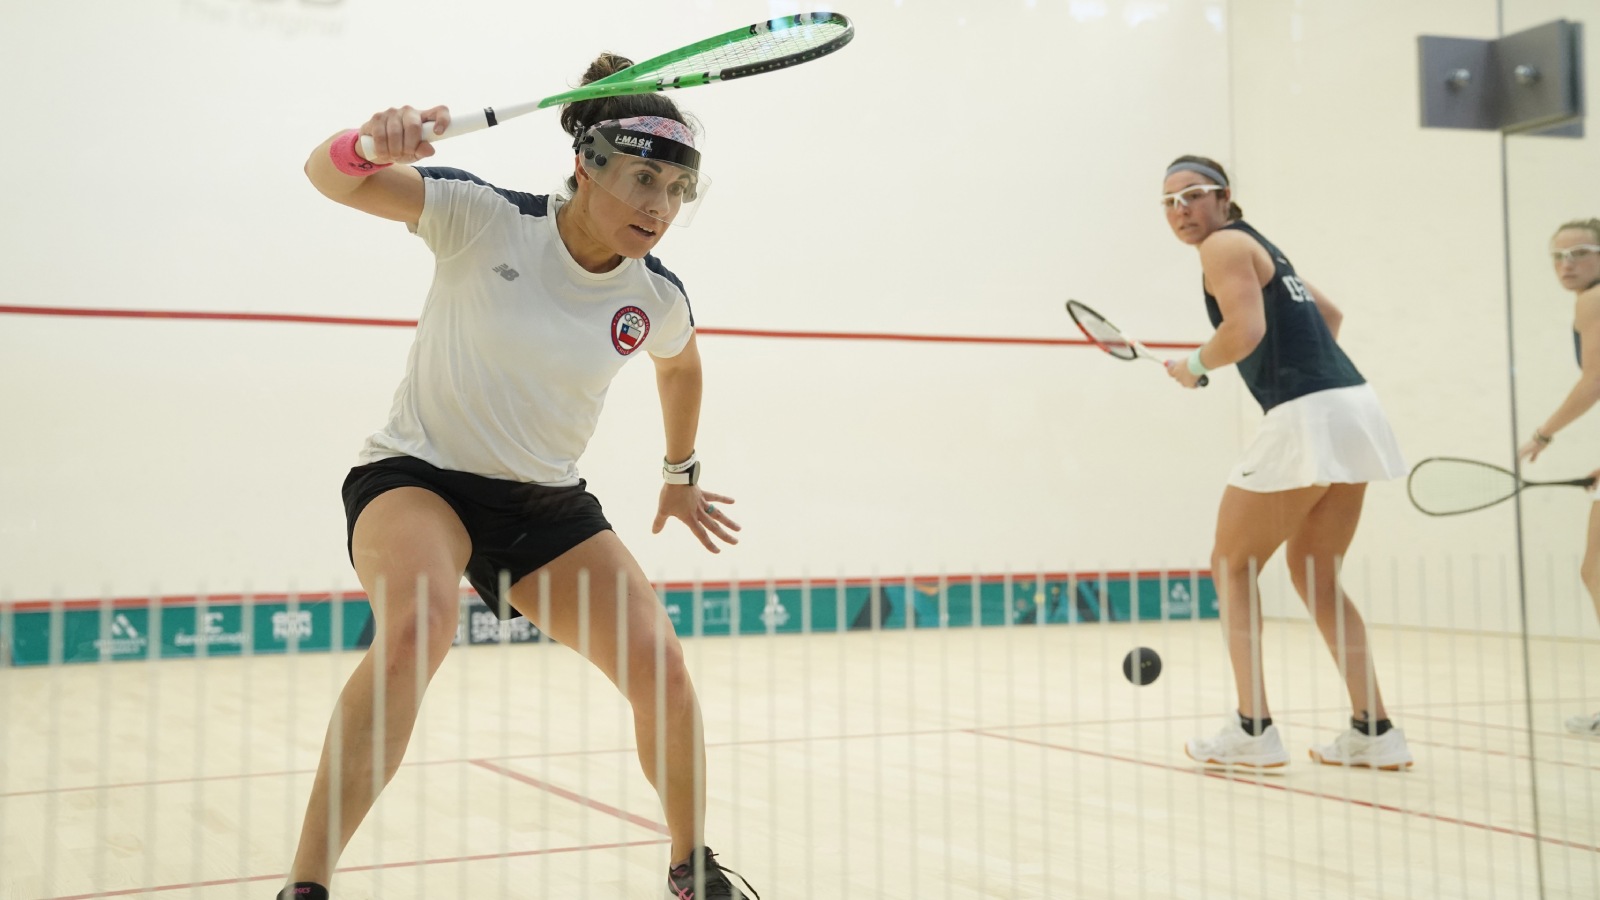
(1337, 436)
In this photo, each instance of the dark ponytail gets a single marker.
(1234, 212)
(576, 117)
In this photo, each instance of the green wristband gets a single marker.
(1196, 367)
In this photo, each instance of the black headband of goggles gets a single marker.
(638, 143)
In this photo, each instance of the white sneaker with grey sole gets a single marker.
(1233, 746)
(1387, 751)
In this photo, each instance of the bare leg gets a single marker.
(1250, 528)
(1591, 558)
(402, 535)
(631, 640)
(1316, 552)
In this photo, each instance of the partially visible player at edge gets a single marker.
(537, 302)
(1575, 250)
(1303, 478)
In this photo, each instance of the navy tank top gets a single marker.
(1578, 338)
(1298, 355)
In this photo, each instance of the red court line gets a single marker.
(180, 600)
(565, 794)
(1241, 778)
(1518, 729)
(85, 312)
(922, 338)
(251, 879)
(925, 732)
(933, 580)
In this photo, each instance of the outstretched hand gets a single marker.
(699, 510)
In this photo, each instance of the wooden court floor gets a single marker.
(998, 762)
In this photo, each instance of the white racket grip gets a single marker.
(466, 123)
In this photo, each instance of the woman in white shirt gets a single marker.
(536, 303)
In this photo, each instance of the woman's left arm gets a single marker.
(678, 382)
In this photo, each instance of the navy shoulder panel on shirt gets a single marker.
(654, 265)
(527, 204)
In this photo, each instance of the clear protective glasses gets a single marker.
(1579, 254)
(639, 162)
(1188, 195)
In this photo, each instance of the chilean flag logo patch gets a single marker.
(628, 328)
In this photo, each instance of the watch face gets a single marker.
(690, 475)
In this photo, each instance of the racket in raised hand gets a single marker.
(753, 50)
(1450, 486)
(1110, 338)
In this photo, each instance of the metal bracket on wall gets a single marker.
(1530, 82)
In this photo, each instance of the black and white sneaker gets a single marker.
(304, 890)
(713, 878)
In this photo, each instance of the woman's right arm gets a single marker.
(389, 193)
(1331, 314)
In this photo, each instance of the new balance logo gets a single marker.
(507, 272)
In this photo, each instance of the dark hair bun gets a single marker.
(604, 66)
(575, 115)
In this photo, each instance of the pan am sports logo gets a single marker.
(122, 637)
(628, 329)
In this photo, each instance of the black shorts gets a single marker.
(515, 527)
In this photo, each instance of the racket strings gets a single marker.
(765, 47)
(1107, 336)
(1446, 486)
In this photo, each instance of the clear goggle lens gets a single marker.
(1188, 195)
(1579, 254)
(639, 171)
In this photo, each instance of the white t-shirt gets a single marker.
(517, 344)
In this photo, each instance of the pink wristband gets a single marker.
(345, 158)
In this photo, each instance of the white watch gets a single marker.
(686, 472)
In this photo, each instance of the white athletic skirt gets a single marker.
(1337, 436)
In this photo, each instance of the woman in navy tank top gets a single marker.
(1575, 250)
(1301, 481)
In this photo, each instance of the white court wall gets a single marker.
(950, 173)
(851, 195)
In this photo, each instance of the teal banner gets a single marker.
(129, 630)
(935, 604)
(225, 628)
